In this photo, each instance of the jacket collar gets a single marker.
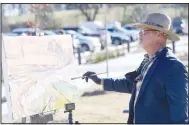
(157, 54)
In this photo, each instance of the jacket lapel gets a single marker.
(131, 106)
(151, 70)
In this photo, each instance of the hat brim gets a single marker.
(171, 35)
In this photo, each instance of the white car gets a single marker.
(97, 29)
(132, 34)
(120, 30)
(133, 31)
(9, 34)
(86, 43)
(118, 37)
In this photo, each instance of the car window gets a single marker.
(110, 30)
(128, 28)
(120, 30)
(84, 30)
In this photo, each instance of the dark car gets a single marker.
(179, 26)
(127, 27)
(76, 29)
(88, 32)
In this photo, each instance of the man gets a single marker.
(159, 87)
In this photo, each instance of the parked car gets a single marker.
(97, 29)
(9, 34)
(133, 35)
(132, 30)
(82, 30)
(179, 26)
(118, 29)
(47, 32)
(76, 29)
(117, 37)
(59, 31)
(86, 43)
(27, 31)
(89, 32)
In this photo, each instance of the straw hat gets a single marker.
(160, 22)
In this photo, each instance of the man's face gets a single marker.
(148, 37)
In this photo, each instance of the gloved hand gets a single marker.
(131, 75)
(95, 78)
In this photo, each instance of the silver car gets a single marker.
(86, 43)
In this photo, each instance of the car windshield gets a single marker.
(75, 34)
(86, 30)
(78, 34)
(120, 29)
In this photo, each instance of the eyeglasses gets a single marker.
(151, 30)
(144, 31)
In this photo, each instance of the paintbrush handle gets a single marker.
(84, 76)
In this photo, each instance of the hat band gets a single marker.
(154, 24)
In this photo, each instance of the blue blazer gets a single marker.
(163, 96)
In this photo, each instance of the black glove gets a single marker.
(95, 78)
(132, 75)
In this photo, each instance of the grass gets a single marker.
(74, 17)
(101, 56)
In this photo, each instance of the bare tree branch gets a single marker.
(125, 18)
(97, 7)
(44, 15)
(87, 10)
(141, 11)
(84, 11)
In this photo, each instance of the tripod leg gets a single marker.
(70, 119)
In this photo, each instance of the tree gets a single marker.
(5, 26)
(21, 8)
(140, 11)
(125, 17)
(44, 17)
(88, 10)
(13, 6)
(58, 6)
(182, 10)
